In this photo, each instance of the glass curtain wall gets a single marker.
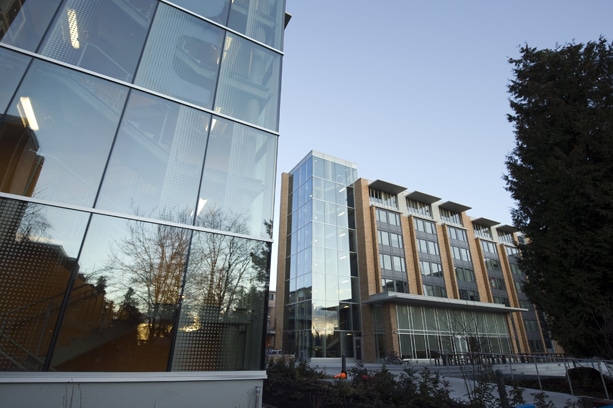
(322, 304)
(136, 188)
(428, 332)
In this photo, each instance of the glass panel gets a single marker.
(239, 171)
(156, 161)
(249, 83)
(135, 269)
(105, 36)
(416, 317)
(221, 321)
(12, 68)
(181, 57)
(216, 10)
(71, 120)
(344, 289)
(262, 20)
(23, 24)
(406, 346)
(403, 317)
(38, 249)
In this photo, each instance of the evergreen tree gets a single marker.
(560, 174)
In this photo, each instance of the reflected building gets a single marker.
(368, 268)
(138, 143)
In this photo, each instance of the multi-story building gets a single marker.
(138, 143)
(368, 268)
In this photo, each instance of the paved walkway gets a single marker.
(457, 385)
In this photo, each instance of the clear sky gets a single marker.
(415, 92)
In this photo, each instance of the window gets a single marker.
(531, 325)
(501, 300)
(519, 286)
(492, 265)
(101, 35)
(458, 234)
(490, 247)
(482, 231)
(181, 57)
(395, 240)
(450, 217)
(505, 237)
(497, 283)
(465, 274)
(383, 198)
(425, 226)
(419, 208)
(515, 270)
(526, 304)
(461, 254)
(512, 251)
(431, 269)
(467, 294)
(384, 238)
(434, 290)
(428, 247)
(398, 263)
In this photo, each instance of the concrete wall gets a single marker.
(237, 389)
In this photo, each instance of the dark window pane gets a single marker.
(156, 162)
(221, 323)
(105, 36)
(23, 24)
(12, 67)
(38, 249)
(125, 298)
(181, 57)
(238, 169)
(59, 129)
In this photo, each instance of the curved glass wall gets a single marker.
(135, 221)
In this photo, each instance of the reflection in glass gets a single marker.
(38, 249)
(238, 169)
(157, 158)
(12, 68)
(137, 270)
(105, 36)
(249, 83)
(216, 10)
(181, 57)
(76, 117)
(262, 20)
(23, 24)
(221, 321)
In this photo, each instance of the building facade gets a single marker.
(424, 278)
(138, 143)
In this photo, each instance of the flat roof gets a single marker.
(450, 205)
(485, 222)
(410, 299)
(423, 197)
(387, 187)
(507, 228)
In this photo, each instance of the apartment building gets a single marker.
(368, 268)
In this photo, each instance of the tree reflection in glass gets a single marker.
(222, 312)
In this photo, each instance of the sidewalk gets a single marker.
(457, 385)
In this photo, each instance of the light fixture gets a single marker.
(27, 113)
(73, 28)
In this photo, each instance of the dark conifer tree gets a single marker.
(560, 174)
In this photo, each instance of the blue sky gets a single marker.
(415, 92)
